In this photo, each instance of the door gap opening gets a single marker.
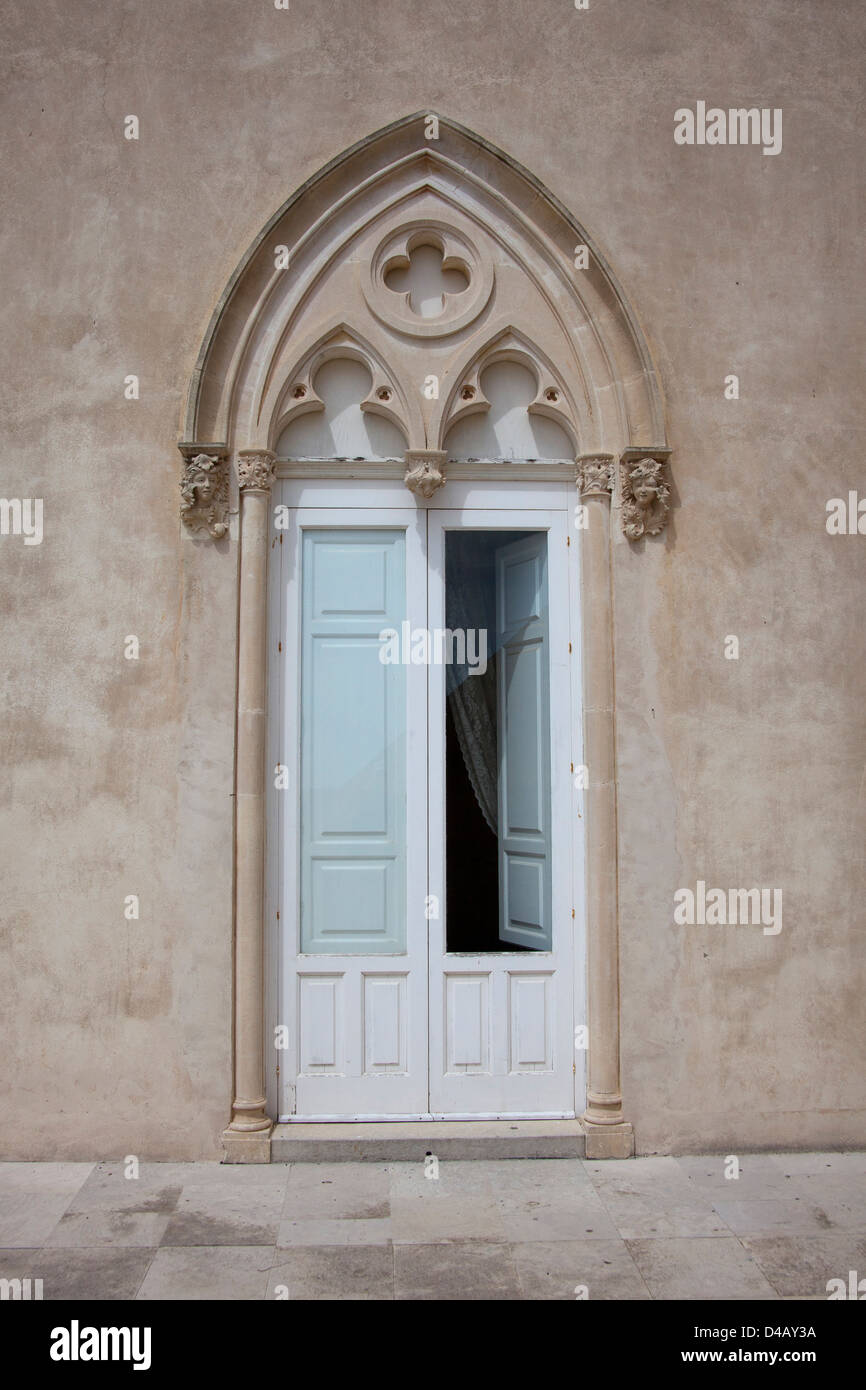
(491, 577)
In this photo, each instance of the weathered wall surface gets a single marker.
(118, 774)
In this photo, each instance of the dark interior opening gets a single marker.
(472, 867)
(472, 847)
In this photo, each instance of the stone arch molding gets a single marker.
(312, 285)
(312, 288)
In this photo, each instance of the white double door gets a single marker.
(424, 851)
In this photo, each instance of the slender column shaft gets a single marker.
(255, 472)
(604, 1099)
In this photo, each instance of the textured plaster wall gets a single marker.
(117, 775)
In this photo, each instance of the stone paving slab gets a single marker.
(760, 1176)
(700, 1268)
(343, 1272)
(103, 1274)
(797, 1266)
(335, 1231)
(33, 1198)
(468, 1270)
(348, 1191)
(560, 1228)
(89, 1229)
(774, 1217)
(204, 1272)
(571, 1269)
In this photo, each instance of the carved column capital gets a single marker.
(594, 473)
(425, 470)
(256, 470)
(204, 488)
(644, 492)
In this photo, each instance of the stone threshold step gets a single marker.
(409, 1141)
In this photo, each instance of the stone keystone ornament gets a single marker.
(204, 489)
(645, 497)
(425, 470)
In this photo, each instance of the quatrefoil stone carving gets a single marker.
(427, 279)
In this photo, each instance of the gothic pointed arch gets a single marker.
(327, 259)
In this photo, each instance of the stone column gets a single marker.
(247, 1139)
(607, 1133)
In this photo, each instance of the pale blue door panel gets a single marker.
(525, 731)
(522, 643)
(353, 744)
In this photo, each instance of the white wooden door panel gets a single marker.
(502, 1031)
(353, 848)
(524, 742)
(378, 1019)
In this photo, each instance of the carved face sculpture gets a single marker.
(203, 505)
(203, 485)
(645, 499)
(645, 492)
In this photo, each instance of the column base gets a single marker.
(252, 1146)
(608, 1141)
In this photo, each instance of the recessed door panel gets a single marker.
(353, 743)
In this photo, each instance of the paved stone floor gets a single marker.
(650, 1228)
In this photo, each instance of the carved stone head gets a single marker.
(204, 490)
(645, 498)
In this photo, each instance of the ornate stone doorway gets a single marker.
(427, 261)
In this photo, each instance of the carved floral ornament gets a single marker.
(256, 470)
(595, 475)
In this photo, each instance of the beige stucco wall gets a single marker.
(118, 775)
